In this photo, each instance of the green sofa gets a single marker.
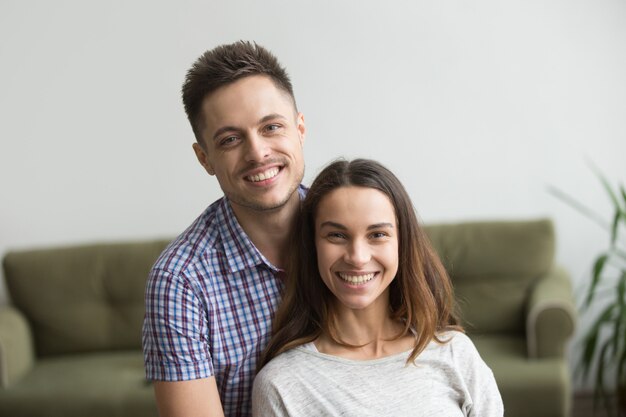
(517, 306)
(70, 342)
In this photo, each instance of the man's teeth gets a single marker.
(270, 173)
(356, 279)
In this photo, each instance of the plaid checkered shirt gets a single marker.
(210, 298)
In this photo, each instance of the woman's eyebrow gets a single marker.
(333, 224)
(370, 227)
(380, 225)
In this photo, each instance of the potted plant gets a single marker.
(604, 344)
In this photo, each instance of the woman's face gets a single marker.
(357, 246)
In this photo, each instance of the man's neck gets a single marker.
(269, 230)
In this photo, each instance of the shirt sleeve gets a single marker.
(480, 383)
(174, 340)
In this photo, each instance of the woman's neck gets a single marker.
(373, 334)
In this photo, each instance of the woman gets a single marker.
(367, 324)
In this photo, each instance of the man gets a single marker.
(212, 293)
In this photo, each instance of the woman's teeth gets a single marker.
(356, 279)
(270, 173)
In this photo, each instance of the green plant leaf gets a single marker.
(598, 266)
(621, 291)
(589, 349)
(622, 191)
(600, 392)
(621, 332)
(621, 368)
(614, 227)
(618, 331)
(607, 188)
(578, 206)
(604, 344)
(590, 340)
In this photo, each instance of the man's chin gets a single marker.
(265, 206)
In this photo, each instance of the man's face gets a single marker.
(252, 142)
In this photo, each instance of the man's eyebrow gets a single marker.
(272, 116)
(223, 130)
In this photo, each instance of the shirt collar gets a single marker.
(239, 250)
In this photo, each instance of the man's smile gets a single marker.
(265, 175)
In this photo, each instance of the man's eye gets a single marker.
(228, 140)
(272, 128)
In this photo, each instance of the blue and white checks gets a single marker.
(210, 298)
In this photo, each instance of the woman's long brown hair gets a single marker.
(420, 296)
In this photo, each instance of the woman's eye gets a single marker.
(336, 236)
(379, 235)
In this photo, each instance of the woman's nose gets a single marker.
(358, 253)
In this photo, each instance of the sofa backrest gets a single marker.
(90, 297)
(82, 298)
(493, 266)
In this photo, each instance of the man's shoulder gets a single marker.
(199, 241)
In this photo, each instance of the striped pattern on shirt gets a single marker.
(210, 298)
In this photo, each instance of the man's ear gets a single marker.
(301, 126)
(203, 158)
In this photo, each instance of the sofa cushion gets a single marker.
(17, 355)
(94, 384)
(83, 298)
(538, 387)
(493, 266)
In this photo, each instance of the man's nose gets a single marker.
(257, 148)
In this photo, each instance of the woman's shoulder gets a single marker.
(454, 344)
(291, 371)
(454, 337)
(284, 364)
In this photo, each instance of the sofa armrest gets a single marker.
(16, 346)
(551, 315)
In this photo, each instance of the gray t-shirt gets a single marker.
(446, 380)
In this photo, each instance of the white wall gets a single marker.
(476, 105)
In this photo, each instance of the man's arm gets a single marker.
(194, 391)
(195, 398)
